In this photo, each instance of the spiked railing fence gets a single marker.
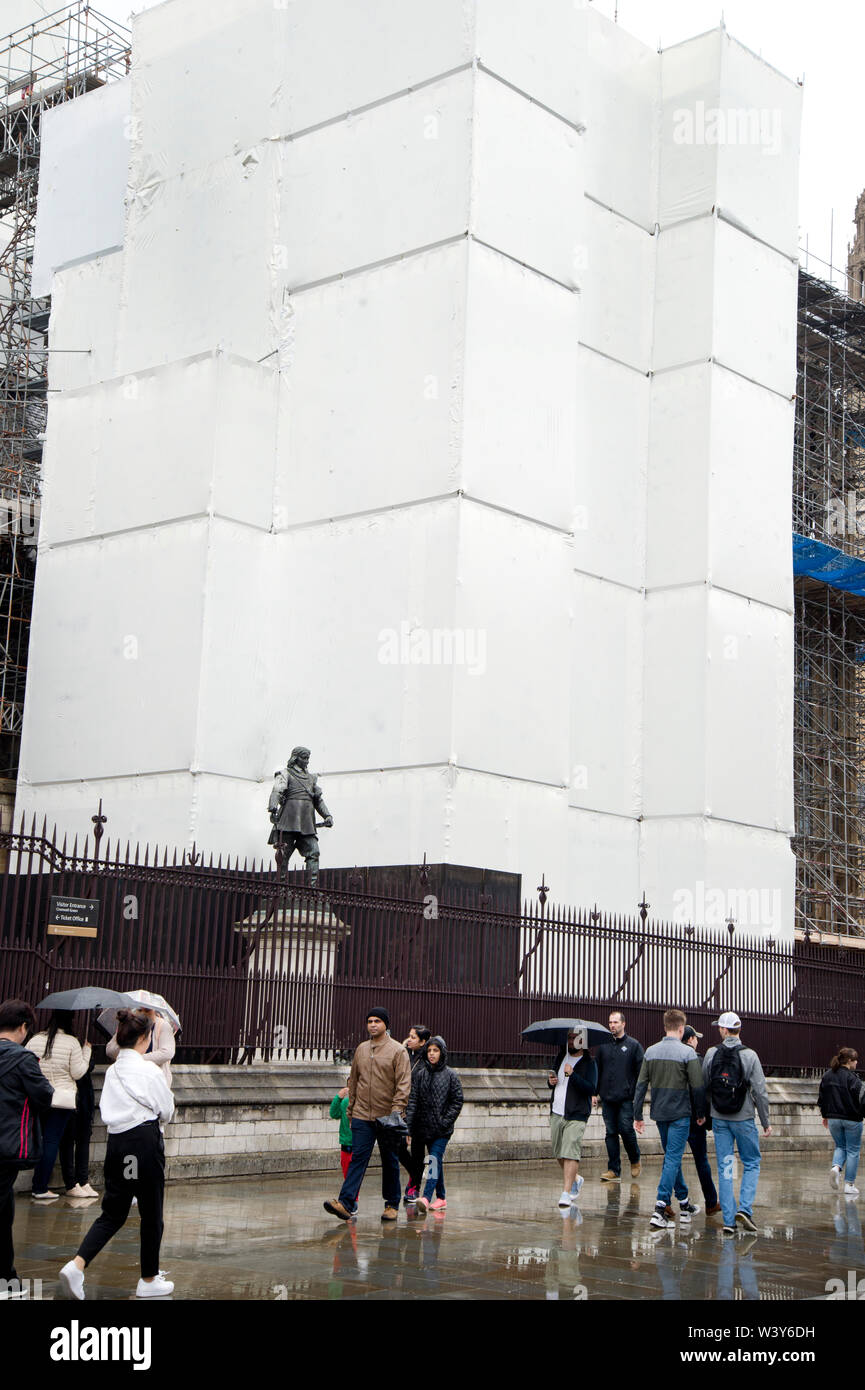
(259, 966)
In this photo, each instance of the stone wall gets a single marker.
(274, 1119)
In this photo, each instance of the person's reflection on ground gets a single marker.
(420, 1244)
(671, 1257)
(847, 1249)
(735, 1261)
(345, 1261)
(562, 1275)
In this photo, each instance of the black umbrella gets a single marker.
(88, 997)
(556, 1030)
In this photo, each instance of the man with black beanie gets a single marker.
(379, 1083)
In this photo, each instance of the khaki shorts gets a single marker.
(567, 1136)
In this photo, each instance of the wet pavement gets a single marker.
(501, 1237)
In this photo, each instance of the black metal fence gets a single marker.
(260, 966)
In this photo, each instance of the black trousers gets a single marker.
(134, 1167)
(8, 1174)
(75, 1144)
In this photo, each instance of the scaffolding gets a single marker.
(42, 65)
(829, 709)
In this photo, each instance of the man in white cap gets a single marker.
(735, 1084)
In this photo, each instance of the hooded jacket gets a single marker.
(436, 1097)
(23, 1090)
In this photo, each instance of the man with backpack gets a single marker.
(735, 1084)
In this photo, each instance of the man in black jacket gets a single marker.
(23, 1089)
(573, 1081)
(619, 1062)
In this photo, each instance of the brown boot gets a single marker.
(636, 1169)
(610, 1176)
(336, 1208)
(389, 1214)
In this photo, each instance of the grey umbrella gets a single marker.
(88, 997)
(556, 1030)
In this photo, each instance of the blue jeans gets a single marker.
(848, 1141)
(674, 1137)
(54, 1123)
(619, 1119)
(363, 1141)
(436, 1179)
(741, 1135)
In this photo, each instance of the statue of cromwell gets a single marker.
(295, 798)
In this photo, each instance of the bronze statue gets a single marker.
(295, 798)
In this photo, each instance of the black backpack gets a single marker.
(727, 1084)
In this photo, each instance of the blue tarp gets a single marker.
(830, 566)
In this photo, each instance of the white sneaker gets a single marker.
(850, 1190)
(45, 1196)
(835, 1176)
(72, 1281)
(576, 1188)
(565, 1199)
(156, 1288)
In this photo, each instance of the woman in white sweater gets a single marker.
(62, 1061)
(135, 1102)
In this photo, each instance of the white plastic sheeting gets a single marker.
(86, 212)
(609, 525)
(352, 607)
(718, 708)
(166, 444)
(389, 180)
(606, 697)
(729, 139)
(527, 182)
(521, 422)
(721, 294)
(703, 868)
(84, 306)
(715, 439)
(510, 711)
(199, 262)
(616, 287)
(373, 389)
(537, 48)
(622, 88)
(241, 71)
(114, 672)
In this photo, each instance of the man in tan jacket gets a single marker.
(379, 1083)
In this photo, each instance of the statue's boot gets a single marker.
(312, 870)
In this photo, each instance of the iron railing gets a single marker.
(260, 966)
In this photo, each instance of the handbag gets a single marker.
(391, 1129)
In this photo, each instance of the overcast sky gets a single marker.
(823, 42)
